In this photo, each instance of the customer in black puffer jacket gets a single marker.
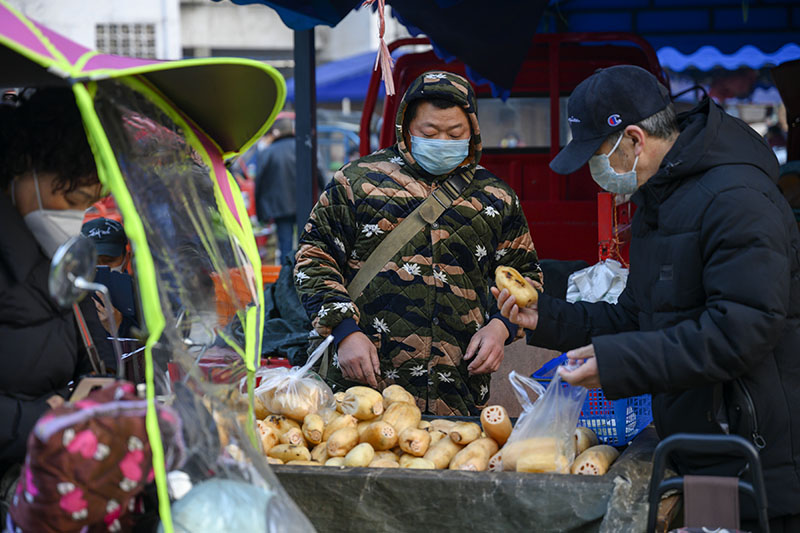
(47, 179)
(710, 317)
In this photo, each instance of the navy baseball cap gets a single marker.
(108, 236)
(609, 100)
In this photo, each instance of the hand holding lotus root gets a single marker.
(523, 292)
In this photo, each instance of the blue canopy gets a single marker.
(345, 78)
(708, 57)
(685, 25)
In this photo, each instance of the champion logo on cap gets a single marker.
(614, 120)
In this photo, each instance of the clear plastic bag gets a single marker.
(224, 506)
(542, 440)
(294, 392)
(203, 276)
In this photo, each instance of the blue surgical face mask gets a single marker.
(608, 178)
(439, 156)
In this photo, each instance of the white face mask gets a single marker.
(609, 179)
(52, 227)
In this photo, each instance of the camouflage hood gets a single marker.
(447, 86)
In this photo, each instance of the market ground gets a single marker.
(525, 360)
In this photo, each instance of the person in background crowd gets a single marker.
(110, 241)
(709, 322)
(426, 321)
(47, 180)
(276, 184)
(113, 258)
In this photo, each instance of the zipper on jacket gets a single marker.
(758, 439)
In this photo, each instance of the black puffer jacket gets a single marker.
(40, 350)
(713, 299)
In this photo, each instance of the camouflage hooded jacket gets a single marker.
(425, 305)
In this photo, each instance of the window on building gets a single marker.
(132, 40)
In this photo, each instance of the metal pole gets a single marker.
(305, 98)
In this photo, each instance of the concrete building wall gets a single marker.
(355, 34)
(78, 19)
(358, 33)
(208, 27)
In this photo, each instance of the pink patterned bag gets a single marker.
(88, 461)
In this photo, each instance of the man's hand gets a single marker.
(586, 375)
(55, 401)
(101, 313)
(358, 359)
(526, 317)
(488, 343)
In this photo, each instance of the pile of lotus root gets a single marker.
(370, 429)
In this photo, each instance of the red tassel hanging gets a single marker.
(384, 58)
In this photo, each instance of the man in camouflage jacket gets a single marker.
(429, 310)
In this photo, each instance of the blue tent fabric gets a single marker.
(305, 14)
(684, 25)
(492, 38)
(708, 57)
(345, 78)
(444, 55)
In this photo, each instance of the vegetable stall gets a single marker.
(361, 460)
(372, 499)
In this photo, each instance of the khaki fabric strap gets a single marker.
(325, 362)
(426, 213)
(91, 350)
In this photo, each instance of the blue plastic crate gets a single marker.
(616, 422)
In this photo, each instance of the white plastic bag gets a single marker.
(295, 392)
(222, 505)
(603, 281)
(542, 440)
(230, 506)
